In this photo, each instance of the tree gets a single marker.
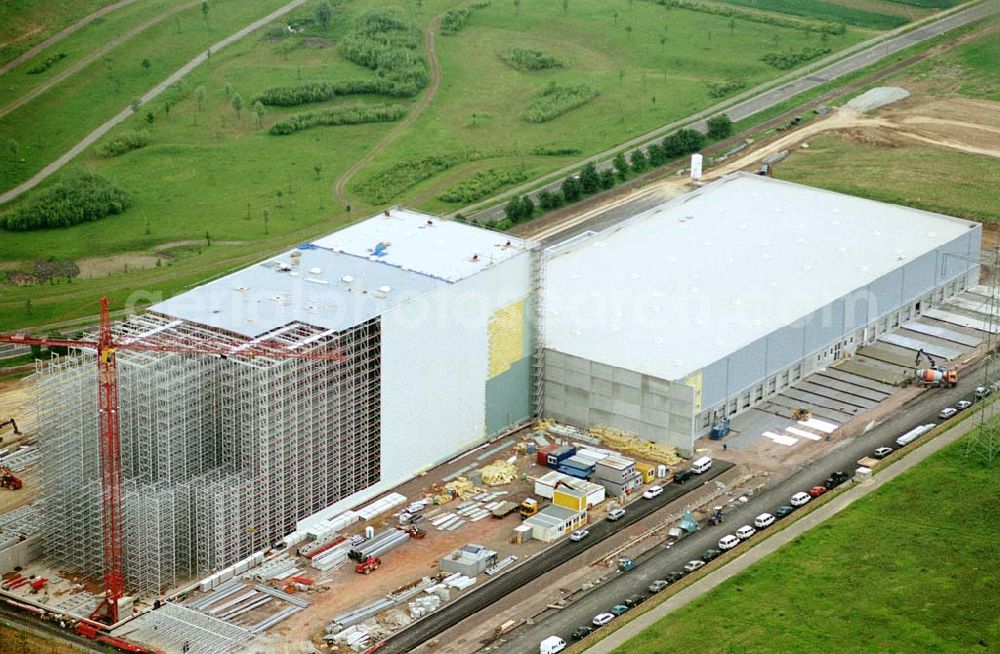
(571, 189)
(324, 13)
(548, 200)
(146, 63)
(204, 11)
(683, 141)
(621, 166)
(527, 208)
(258, 110)
(606, 179)
(589, 181)
(517, 7)
(237, 102)
(512, 210)
(719, 127)
(267, 217)
(199, 96)
(657, 155)
(228, 90)
(565, 4)
(317, 168)
(638, 160)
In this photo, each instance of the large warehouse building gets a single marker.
(223, 455)
(715, 301)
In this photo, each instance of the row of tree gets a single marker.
(75, 199)
(339, 116)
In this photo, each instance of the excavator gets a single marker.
(935, 375)
(10, 421)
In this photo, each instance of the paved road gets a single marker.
(533, 568)
(659, 561)
(150, 95)
(766, 99)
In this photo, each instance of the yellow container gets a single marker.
(571, 499)
(648, 472)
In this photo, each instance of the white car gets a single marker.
(745, 532)
(800, 499)
(652, 492)
(602, 619)
(763, 521)
(728, 542)
(579, 534)
(693, 565)
(944, 414)
(962, 404)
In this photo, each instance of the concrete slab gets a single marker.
(964, 320)
(840, 374)
(848, 387)
(781, 439)
(820, 402)
(748, 427)
(791, 404)
(834, 394)
(943, 333)
(883, 352)
(872, 372)
(975, 303)
(921, 344)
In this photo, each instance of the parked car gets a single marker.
(728, 542)
(816, 491)
(882, 452)
(745, 532)
(675, 576)
(783, 511)
(763, 521)
(552, 645)
(633, 601)
(693, 565)
(582, 632)
(946, 413)
(710, 555)
(800, 499)
(579, 534)
(658, 585)
(836, 479)
(682, 476)
(982, 392)
(602, 619)
(652, 491)
(616, 514)
(619, 609)
(962, 404)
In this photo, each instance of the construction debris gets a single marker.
(499, 473)
(636, 446)
(461, 488)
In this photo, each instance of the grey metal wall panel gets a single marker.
(826, 326)
(920, 275)
(886, 292)
(746, 366)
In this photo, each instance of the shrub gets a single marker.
(589, 180)
(482, 184)
(454, 20)
(571, 189)
(789, 60)
(339, 116)
(638, 161)
(49, 62)
(390, 182)
(719, 127)
(607, 178)
(291, 96)
(556, 100)
(683, 141)
(529, 59)
(724, 88)
(390, 46)
(548, 200)
(75, 199)
(125, 143)
(554, 151)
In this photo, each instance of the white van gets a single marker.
(551, 645)
(701, 465)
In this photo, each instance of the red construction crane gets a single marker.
(107, 406)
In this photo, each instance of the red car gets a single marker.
(816, 491)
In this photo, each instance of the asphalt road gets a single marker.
(533, 568)
(779, 94)
(660, 561)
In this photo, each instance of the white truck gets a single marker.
(551, 645)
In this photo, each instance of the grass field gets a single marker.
(14, 641)
(836, 12)
(25, 23)
(971, 70)
(925, 177)
(208, 173)
(909, 568)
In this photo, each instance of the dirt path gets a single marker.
(52, 40)
(93, 56)
(150, 95)
(430, 34)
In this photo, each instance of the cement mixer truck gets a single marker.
(936, 376)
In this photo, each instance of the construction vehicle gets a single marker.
(720, 430)
(415, 532)
(504, 509)
(716, 518)
(528, 507)
(12, 423)
(802, 414)
(106, 347)
(625, 564)
(9, 480)
(936, 376)
(368, 566)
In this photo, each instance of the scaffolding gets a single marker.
(221, 455)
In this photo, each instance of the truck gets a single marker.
(9, 480)
(528, 507)
(504, 509)
(935, 376)
(720, 430)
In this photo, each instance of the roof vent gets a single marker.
(242, 289)
(347, 279)
(315, 271)
(284, 267)
(384, 289)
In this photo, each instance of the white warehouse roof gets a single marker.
(339, 281)
(679, 286)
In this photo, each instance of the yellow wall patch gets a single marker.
(506, 329)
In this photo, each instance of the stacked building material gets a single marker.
(378, 507)
(381, 543)
(499, 473)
